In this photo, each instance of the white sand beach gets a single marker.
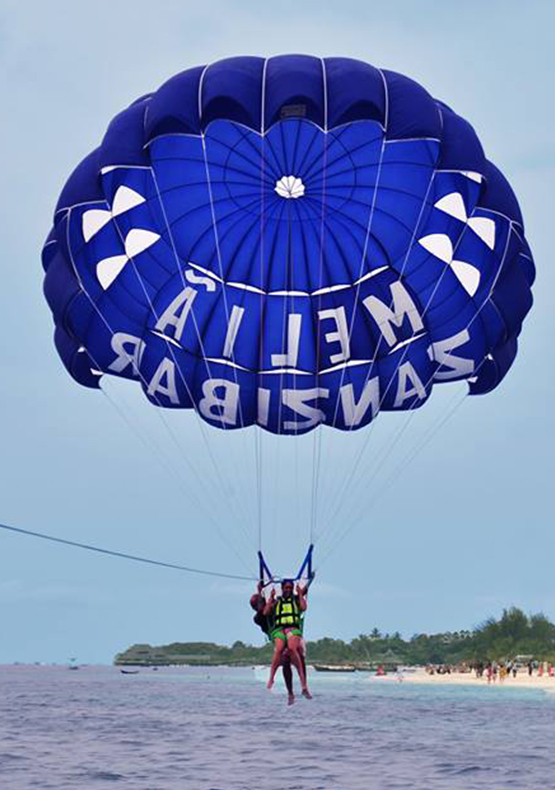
(522, 679)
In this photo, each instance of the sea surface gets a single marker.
(219, 729)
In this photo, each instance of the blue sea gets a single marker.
(219, 729)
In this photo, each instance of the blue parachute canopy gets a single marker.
(287, 242)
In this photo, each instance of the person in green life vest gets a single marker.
(258, 603)
(286, 613)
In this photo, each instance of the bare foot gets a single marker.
(290, 699)
(270, 685)
(307, 694)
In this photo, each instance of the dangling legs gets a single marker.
(279, 644)
(294, 645)
(287, 675)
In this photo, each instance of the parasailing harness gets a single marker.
(267, 578)
(287, 612)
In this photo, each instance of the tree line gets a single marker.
(513, 634)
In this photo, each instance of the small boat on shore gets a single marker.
(334, 667)
(129, 671)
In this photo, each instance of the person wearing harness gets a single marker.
(285, 614)
(258, 602)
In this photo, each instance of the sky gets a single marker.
(446, 518)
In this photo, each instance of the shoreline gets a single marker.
(522, 680)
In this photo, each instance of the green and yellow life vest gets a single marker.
(287, 613)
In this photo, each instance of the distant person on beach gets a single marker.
(286, 612)
(258, 603)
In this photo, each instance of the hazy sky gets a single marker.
(465, 528)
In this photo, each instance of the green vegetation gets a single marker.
(513, 634)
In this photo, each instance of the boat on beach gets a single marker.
(334, 668)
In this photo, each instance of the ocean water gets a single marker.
(220, 729)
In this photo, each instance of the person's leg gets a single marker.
(288, 678)
(302, 653)
(293, 643)
(306, 692)
(279, 644)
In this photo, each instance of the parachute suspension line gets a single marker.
(246, 517)
(361, 267)
(401, 274)
(111, 331)
(146, 440)
(207, 493)
(317, 440)
(278, 501)
(410, 411)
(316, 458)
(344, 480)
(347, 481)
(122, 555)
(278, 487)
(293, 207)
(380, 463)
(177, 366)
(192, 312)
(216, 236)
(405, 351)
(246, 453)
(150, 445)
(387, 449)
(454, 404)
(297, 508)
(258, 462)
(412, 408)
(219, 257)
(258, 431)
(158, 411)
(284, 321)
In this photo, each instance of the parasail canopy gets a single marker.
(288, 242)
